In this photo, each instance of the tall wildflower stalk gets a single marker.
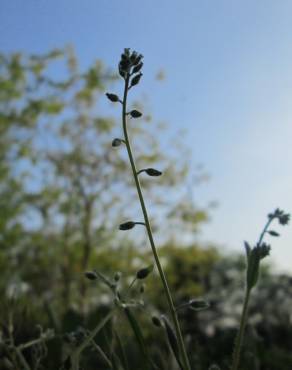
(130, 67)
(254, 256)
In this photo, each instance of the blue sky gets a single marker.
(228, 67)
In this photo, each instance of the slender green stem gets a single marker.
(102, 354)
(22, 359)
(243, 319)
(31, 343)
(264, 231)
(16, 350)
(130, 287)
(76, 355)
(150, 235)
(240, 334)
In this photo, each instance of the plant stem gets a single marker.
(75, 356)
(243, 320)
(264, 231)
(150, 235)
(240, 334)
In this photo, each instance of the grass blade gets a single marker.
(122, 352)
(139, 336)
(173, 342)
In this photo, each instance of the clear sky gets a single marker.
(228, 67)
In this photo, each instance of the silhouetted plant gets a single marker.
(80, 339)
(253, 258)
(130, 66)
(12, 353)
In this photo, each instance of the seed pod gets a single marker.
(133, 56)
(138, 67)
(117, 276)
(138, 59)
(127, 225)
(273, 233)
(91, 275)
(144, 272)
(124, 67)
(156, 321)
(135, 113)
(136, 79)
(112, 97)
(198, 304)
(126, 52)
(121, 71)
(153, 172)
(116, 142)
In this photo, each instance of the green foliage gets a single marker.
(64, 190)
(62, 186)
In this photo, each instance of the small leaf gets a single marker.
(112, 97)
(135, 113)
(144, 272)
(127, 225)
(247, 249)
(252, 273)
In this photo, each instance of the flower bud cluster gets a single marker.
(131, 63)
(282, 217)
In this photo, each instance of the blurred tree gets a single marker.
(65, 188)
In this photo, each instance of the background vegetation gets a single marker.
(64, 190)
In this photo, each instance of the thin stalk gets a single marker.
(243, 319)
(150, 235)
(240, 334)
(22, 359)
(16, 349)
(102, 354)
(264, 230)
(76, 355)
(130, 287)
